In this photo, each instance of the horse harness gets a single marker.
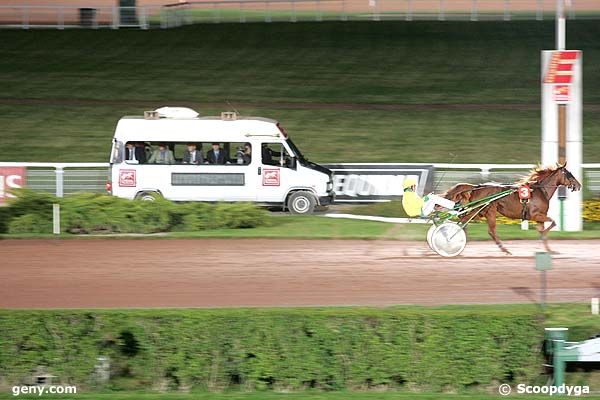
(524, 192)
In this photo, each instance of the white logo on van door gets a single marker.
(270, 177)
(127, 178)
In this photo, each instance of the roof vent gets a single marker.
(150, 115)
(176, 112)
(229, 116)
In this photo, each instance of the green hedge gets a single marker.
(31, 212)
(279, 349)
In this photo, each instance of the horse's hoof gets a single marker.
(505, 251)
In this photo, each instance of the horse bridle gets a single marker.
(567, 173)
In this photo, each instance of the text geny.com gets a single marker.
(40, 390)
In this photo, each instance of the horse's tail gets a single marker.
(460, 193)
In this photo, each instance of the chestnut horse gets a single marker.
(543, 183)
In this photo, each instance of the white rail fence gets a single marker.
(184, 13)
(66, 178)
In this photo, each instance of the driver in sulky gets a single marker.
(416, 206)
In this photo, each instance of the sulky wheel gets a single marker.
(448, 239)
(430, 234)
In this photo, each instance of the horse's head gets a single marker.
(566, 178)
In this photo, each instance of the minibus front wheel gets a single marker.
(148, 196)
(301, 202)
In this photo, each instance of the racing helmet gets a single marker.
(408, 182)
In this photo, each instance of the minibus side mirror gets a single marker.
(293, 163)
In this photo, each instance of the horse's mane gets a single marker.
(538, 174)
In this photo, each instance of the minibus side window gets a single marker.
(241, 154)
(275, 154)
(135, 153)
(193, 153)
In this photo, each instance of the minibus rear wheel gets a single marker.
(301, 203)
(147, 196)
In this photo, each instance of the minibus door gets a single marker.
(275, 175)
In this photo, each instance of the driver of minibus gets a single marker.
(268, 154)
(415, 206)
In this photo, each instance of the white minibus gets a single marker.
(176, 154)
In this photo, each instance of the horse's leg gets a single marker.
(544, 231)
(490, 216)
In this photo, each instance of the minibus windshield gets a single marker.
(296, 151)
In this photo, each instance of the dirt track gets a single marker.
(258, 272)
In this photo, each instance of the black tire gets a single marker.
(301, 203)
(148, 196)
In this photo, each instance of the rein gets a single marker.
(542, 187)
(536, 185)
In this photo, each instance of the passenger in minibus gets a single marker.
(216, 155)
(193, 156)
(134, 154)
(243, 154)
(146, 148)
(247, 154)
(162, 155)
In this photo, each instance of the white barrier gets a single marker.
(64, 178)
(61, 16)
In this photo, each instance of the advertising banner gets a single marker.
(377, 182)
(11, 178)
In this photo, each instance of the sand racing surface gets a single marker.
(260, 272)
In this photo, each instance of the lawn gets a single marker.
(331, 85)
(48, 133)
(355, 62)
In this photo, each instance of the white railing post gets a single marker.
(409, 12)
(293, 17)
(571, 10)
(267, 12)
(506, 10)
(188, 16)
(59, 174)
(25, 16)
(344, 16)
(162, 15)
(143, 19)
(539, 15)
(56, 219)
(485, 172)
(319, 16)
(474, 16)
(95, 19)
(242, 13)
(61, 17)
(216, 14)
(115, 17)
(441, 13)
